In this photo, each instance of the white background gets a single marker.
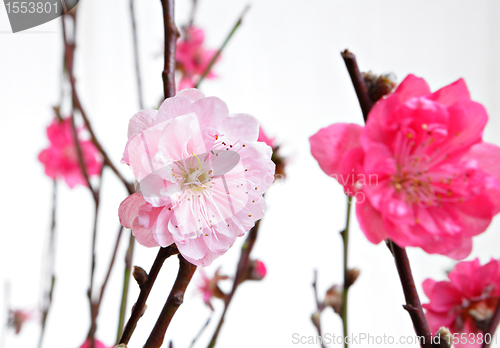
(283, 66)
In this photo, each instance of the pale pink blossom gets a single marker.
(192, 58)
(61, 157)
(421, 174)
(465, 303)
(209, 287)
(201, 172)
(97, 344)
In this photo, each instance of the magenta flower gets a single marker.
(61, 157)
(264, 138)
(201, 172)
(97, 344)
(258, 270)
(192, 58)
(419, 169)
(209, 287)
(466, 302)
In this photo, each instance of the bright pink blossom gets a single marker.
(201, 172)
(259, 270)
(97, 344)
(419, 169)
(209, 287)
(61, 157)
(192, 58)
(466, 302)
(264, 138)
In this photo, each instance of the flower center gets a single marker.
(193, 175)
(419, 177)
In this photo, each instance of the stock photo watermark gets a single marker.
(366, 339)
(28, 14)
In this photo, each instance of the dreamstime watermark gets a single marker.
(366, 339)
(31, 13)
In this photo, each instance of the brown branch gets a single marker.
(171, 35)
(69, 49)
(492, 327)
(174, 300)
(242, 267)
(138, 308)
(413, 305)
(358, 82)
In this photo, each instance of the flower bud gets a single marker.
(257, 270)
(379, 85)
(17, 318)
(445, 338)
(209, 287)
(315, 318)
(333, 298)
(352, 275)
(140, 275)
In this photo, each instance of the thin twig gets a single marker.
(5, 325)
(47, 300)
(413, 305)
(68, 56)
(81, 162)
(492, 327)
(242, 267)
(174, 300)
(138, 308)
(358, 82)
(347, 284)
(111, 263)
(171, 35)
(200, 332)
(136, 55)
(219, 51)
(319, 309)
(194, 6)
(126, 284)
(130, 250)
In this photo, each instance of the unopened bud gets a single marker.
(143, 309)
(333, 298)
(443, 338)
(315, 318)
(140, 276)
(352, 275)
(379, 85)
(257, 270)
